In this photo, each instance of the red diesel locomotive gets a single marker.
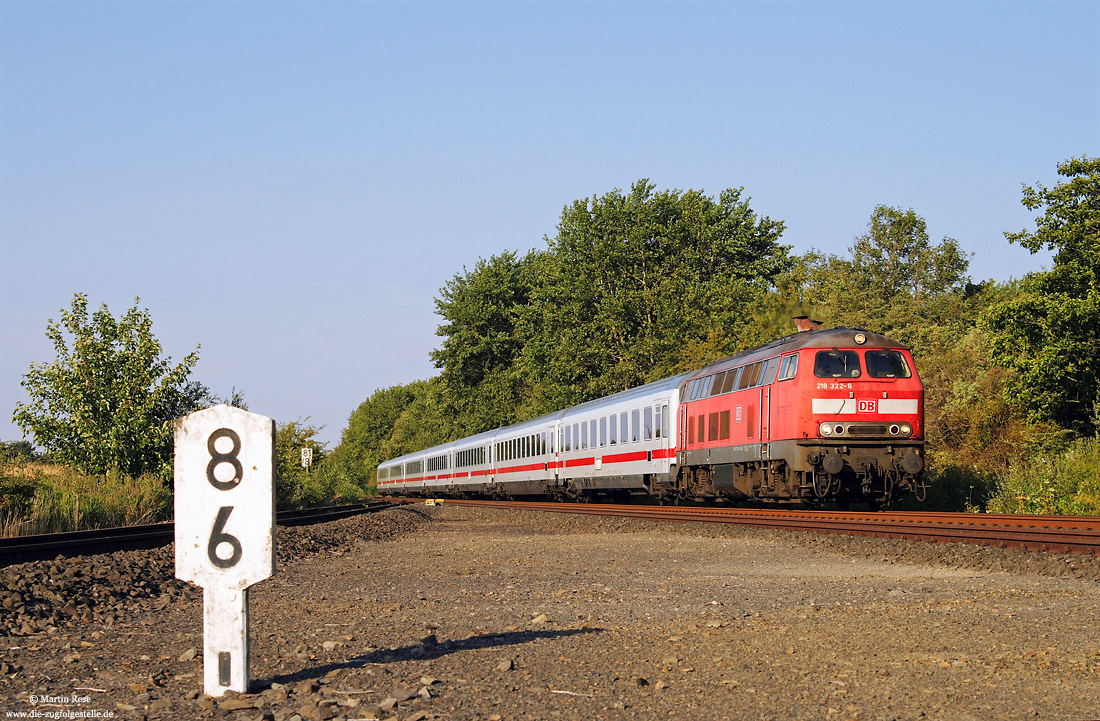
(821, 415)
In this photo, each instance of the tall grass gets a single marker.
(45, 498)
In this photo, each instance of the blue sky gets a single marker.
(289, 184)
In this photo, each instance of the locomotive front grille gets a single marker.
(868, 430)
(861, 430)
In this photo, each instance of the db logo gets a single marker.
(867, 406)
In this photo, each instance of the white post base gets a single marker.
(224, 641)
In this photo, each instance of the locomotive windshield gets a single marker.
(887, 364)
(837, 364)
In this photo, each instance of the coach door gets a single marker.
(663, 423)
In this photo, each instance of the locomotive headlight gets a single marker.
(860, 338)
(826, 429)
(906, 429)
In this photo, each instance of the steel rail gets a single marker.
(1058, 534)
(17, 549)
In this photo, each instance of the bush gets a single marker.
(327, 480)
(1054, 483)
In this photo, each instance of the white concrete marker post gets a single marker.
(225, 529)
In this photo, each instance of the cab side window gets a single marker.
(788, 368)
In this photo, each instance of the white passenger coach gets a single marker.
(615, 445)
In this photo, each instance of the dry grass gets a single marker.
(46, 498)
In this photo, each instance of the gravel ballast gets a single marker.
(463, 613)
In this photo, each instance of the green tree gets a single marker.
(641, 285)
(482, 341)
(895, 282)
(106, 403)
(894, 256)
(1048, 333)
(366, 439)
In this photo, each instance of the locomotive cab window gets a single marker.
(887, 364)
(837, 364)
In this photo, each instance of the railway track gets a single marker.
(18, 549)
(1056, 534)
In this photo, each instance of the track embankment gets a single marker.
(476, 613)
(1056, 534)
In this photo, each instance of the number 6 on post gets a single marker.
(225, 529)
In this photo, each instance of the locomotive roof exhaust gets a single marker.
(805, 324)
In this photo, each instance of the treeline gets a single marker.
(638, 286)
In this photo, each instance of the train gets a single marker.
(819, 416)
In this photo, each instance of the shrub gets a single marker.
(1055, 483)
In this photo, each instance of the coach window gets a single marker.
(612, 426)
(623, 432)
(664, 420)
(647, 427)
(592, 431)
(836, 364)
(635, 423)
(657, 424)
(568, 439)
(603, 431)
